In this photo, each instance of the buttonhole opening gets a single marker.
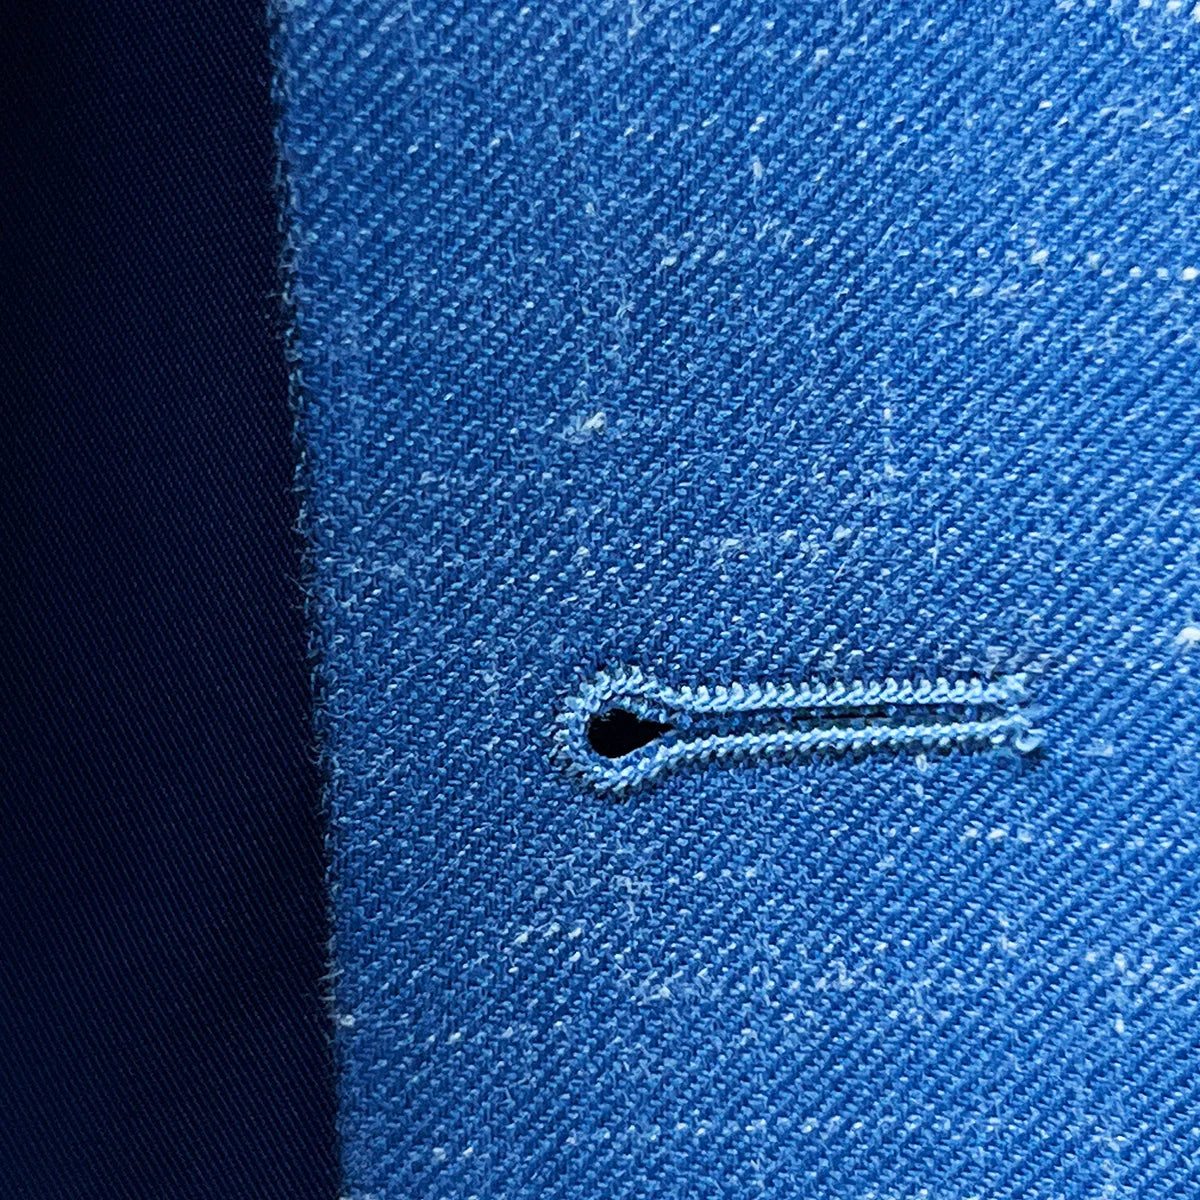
(617, 732)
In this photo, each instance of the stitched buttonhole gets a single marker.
(625, 728)
(617, 732)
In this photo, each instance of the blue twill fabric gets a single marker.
(818, 386)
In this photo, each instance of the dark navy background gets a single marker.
(163, 916)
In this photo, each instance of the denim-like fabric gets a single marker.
(759, 344)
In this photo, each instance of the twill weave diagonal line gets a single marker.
(737, 344)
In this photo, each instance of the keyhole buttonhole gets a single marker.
(617, 732)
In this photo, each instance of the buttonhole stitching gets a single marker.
(624, 728)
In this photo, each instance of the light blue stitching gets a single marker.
(635, 691)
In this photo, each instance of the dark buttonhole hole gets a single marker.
(618, 732)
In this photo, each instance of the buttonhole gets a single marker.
(617, 732)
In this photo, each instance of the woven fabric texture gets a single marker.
(163, 1034)
(755, 346)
